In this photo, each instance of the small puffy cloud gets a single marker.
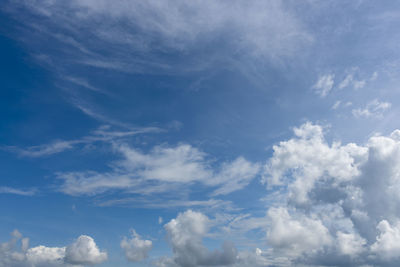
(373, 109)
(324, 85)
(135, 248)
(185, 234)
(84, 251)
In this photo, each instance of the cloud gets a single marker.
(162, 169)
(337, 204)
(15, 191)
(185, 234)
(296, 235)
(349, 80)
(346, 82)
(102, 134)
(234, 176)
(135, 248)
(133, 31)
(324, 85)
(82, 251)
(295, 160)
(387, 245)
(373, 109)
(350, 244)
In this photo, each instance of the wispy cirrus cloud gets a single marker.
(102, 134)
(137, 29)
(160, 170)
(17, 191)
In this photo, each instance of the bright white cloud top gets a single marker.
(199, 133)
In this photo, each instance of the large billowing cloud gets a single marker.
(83, 251)
(340, 202)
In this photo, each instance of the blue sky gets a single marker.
(199, 133)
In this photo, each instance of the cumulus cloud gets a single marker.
(82, 252)
(185, 234)
(297, 234)
(387, 245)
(135, 248)
(295, 160)
(338, 203)
(324, 85)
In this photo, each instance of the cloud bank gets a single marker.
(83, 251)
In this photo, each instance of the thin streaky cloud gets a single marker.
(17, 191)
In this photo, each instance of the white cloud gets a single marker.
(387, 245)
(346, 82)
(349, 80)
(42, 256)
(336, 105)
(46, 256)
(84, 251)
(296, 159)
(359, 84)
(234, 176)
(160, 170)
(350, 244)
(185, 234)
(183, 163)
(102, 134)
(135, 248)
(298, 234)
(332, 198)
(324, 85)
(373, 109)
(136, 28)
(16, 191)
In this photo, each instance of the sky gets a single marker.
(199, 133)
